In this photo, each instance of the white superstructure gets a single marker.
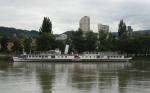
(52, 56)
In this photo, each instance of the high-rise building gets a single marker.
(84, 23)
(129, 29)
(104, 28)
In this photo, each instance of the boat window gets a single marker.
(52, 56)
(76, 57)
(98, 56)
(65, 56)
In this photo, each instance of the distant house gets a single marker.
(10, 45)
(34, 43)
(0, 46)
(61, 37)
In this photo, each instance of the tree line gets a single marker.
(81, 41)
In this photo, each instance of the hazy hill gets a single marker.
(142, 32)
(68, 33)
(9, 32)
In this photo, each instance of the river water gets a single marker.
(74, 78)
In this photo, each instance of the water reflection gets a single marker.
(46, 75)
(74, 78)
(81, 77)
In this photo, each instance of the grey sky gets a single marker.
(65, 14)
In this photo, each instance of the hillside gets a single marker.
(68, 33)
(142, 32)
(9, 32)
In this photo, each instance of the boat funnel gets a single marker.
(66, 49)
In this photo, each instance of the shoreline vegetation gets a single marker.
(5, 57)
(79, 41)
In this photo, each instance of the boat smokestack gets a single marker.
(66, 49)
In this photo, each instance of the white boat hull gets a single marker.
(18, 59)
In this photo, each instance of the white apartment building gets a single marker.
(84, 23)
(104, 28)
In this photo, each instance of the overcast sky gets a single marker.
(65, 14)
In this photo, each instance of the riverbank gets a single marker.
(146, 58)
(5, 56)
(141, 59)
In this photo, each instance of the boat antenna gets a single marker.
(23, 50)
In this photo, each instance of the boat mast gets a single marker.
(30, 45)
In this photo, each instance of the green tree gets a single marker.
(90, 41)
(27, 44)
(46, 25)
(4, 44)
(17, 48)
(122, 28)
(78, 41)
(59, 44)
(111, 43)
(45, 42)
(102, 40)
